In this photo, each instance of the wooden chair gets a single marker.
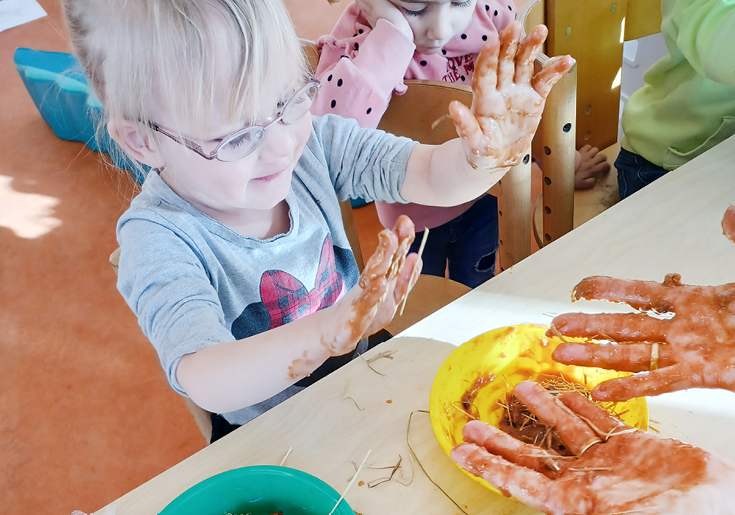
(584, 106)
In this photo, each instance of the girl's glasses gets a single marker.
(242, 142)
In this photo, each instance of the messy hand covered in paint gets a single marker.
(617, 469)
(387, 278)
(508, 98)
(695, 348)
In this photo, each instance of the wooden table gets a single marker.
(671, 226)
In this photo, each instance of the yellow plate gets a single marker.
(483, 370)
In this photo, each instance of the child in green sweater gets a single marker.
(687, 105)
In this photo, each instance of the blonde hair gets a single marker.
(172, 53)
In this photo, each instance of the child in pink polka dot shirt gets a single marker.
(377, 44)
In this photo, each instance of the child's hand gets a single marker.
(388, 276)
(508, 98)
(626, 471)
(589, 164)
(695, 348)
(374, 10)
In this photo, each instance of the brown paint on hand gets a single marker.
(508, 99)
(301, 367)
(358, 314)
(728, 224)
(697, 343)
(630, 471)
(604, 425)
(376, 261)
(575, 434)
(506, 445)
(406, 234)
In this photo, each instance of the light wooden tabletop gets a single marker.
(671, 226)
(331, 426)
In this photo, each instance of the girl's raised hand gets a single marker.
(374, 10)
(508, 98)
(387, 278)
(623, 471)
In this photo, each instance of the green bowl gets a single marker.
(259, 490)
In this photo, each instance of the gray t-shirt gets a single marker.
(193, 282)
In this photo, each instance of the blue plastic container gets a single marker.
(66, 102)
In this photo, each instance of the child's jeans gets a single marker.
(634, 172)
(469, 243)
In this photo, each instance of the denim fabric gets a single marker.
(468, 244)
(634, 172)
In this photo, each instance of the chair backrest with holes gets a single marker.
(584, 106)
(593, 33)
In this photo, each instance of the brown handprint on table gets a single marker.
(508, 98)
(694, 348)
(622, 470)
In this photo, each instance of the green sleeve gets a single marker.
(705, 35)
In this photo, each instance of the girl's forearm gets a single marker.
(233, 375)
(440, 175)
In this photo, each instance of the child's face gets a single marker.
(435, 22)
(258, 181)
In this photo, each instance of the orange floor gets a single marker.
(85, 412)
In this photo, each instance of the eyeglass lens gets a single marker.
(245, 142)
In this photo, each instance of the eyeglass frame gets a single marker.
(195, 147)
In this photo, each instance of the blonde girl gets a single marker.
(233, 256)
